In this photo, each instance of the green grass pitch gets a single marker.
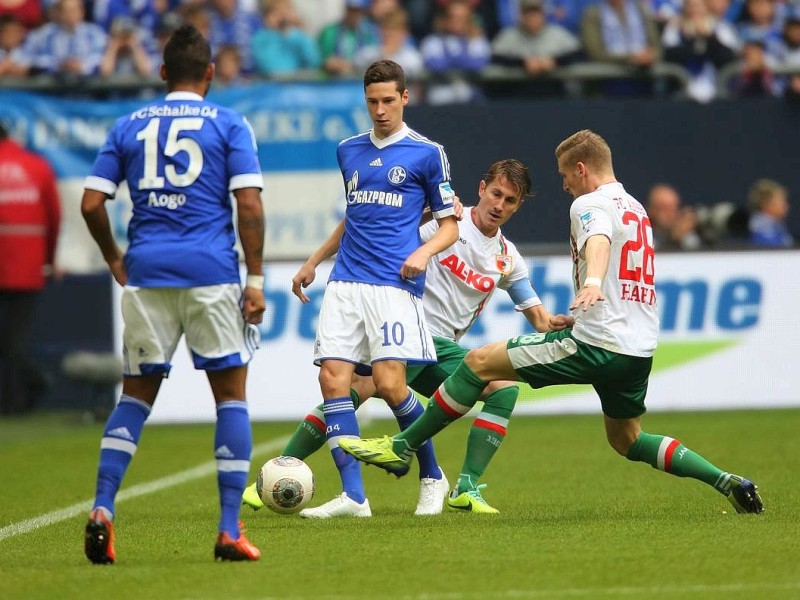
(576, 520)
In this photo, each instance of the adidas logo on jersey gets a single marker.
(376, 163)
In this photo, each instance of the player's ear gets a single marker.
(211, 69)
(162, 72)
(481, 187)
(404, 97)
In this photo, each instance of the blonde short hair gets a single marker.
(587, 147)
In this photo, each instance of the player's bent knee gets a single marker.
(621, 441)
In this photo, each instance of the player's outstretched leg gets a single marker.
(669, 455)
(120, 441)
(394, 454)
(485, 437)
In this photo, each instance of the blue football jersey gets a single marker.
(181, 157)
(388, 184)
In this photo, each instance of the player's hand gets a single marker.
(304, 277)
(254, 305)
(415, 264)
(458, 208)
(586, 297)
(117, 267)
(559, 322)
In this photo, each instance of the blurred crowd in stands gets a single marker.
(451, 44)
(758, 224)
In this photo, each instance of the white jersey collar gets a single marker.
(395, 137)
(611, 184)
(184, 96)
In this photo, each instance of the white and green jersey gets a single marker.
(627, 322)
(462, 278)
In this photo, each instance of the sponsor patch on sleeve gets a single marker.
(446, 192)
(587, 219)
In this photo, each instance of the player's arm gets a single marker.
(445, 236)
(250, 224)
(597, 253)
(308, 272)
(528, 303)
(458, 211)
(93, 209)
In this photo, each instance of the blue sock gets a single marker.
(233, 444)
(340, 418)
(119, 443)
(406, 413)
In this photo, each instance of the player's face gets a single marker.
(385, 105)
(572, 178)
(497, 201)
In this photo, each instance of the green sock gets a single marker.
(310, 433)
(669, 455)
(443, 409)
(487, 433)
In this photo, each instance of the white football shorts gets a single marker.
(209, 316)
(363, 323)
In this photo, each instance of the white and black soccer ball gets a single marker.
(285, 484)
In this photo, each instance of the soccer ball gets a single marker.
(285, 484)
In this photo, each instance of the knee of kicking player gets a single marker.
(622, 433)
(491, 363)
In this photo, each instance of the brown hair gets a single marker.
(384, 70)
(587, 147)
(515, 173)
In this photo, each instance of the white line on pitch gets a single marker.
(142, 489)
(589, 592)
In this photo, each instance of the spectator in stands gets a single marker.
(380, 8)
(720, 9)
(396, 44)
(129, 50)
(12, 36)
(755, 77)
(30, 216)
(27, 12)
(199, 17)
(145, 13)
(620, 32)
(769, 206)
(760, 20)
(67, 46)
(459, 50)
(316, 15)
(228, 63)
(233, 24)
(702, 44)
(340, 42)
(674, 226)
(281, 47)
(535, 45)
(421, 14)
(788, 52)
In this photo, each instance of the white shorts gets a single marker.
(210, 317)
(363, 323)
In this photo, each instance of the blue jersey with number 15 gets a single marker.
(181, 157)
(389, 182)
